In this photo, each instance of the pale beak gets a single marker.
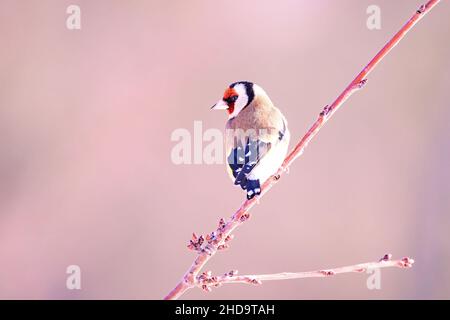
(220, 105)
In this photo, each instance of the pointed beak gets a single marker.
(220, 105)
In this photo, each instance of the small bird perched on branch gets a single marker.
(257, 136)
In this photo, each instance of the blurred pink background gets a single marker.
(86, 176)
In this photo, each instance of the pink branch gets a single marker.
(208, 246)
(206, 281)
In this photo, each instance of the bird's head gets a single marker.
(236, 97)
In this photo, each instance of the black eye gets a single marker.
(231, 99)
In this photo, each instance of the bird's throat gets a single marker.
(230, 109)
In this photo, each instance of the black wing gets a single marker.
(242, 159)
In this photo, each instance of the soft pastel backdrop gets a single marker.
(86, 176)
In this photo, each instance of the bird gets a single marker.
(256, 136)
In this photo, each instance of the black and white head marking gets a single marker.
(246, 94)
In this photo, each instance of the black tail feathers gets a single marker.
(253, 188)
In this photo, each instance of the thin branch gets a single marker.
(216, 240)
(206, 281)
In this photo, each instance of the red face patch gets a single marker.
(230, 97)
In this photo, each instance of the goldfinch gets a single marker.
(256, 138)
